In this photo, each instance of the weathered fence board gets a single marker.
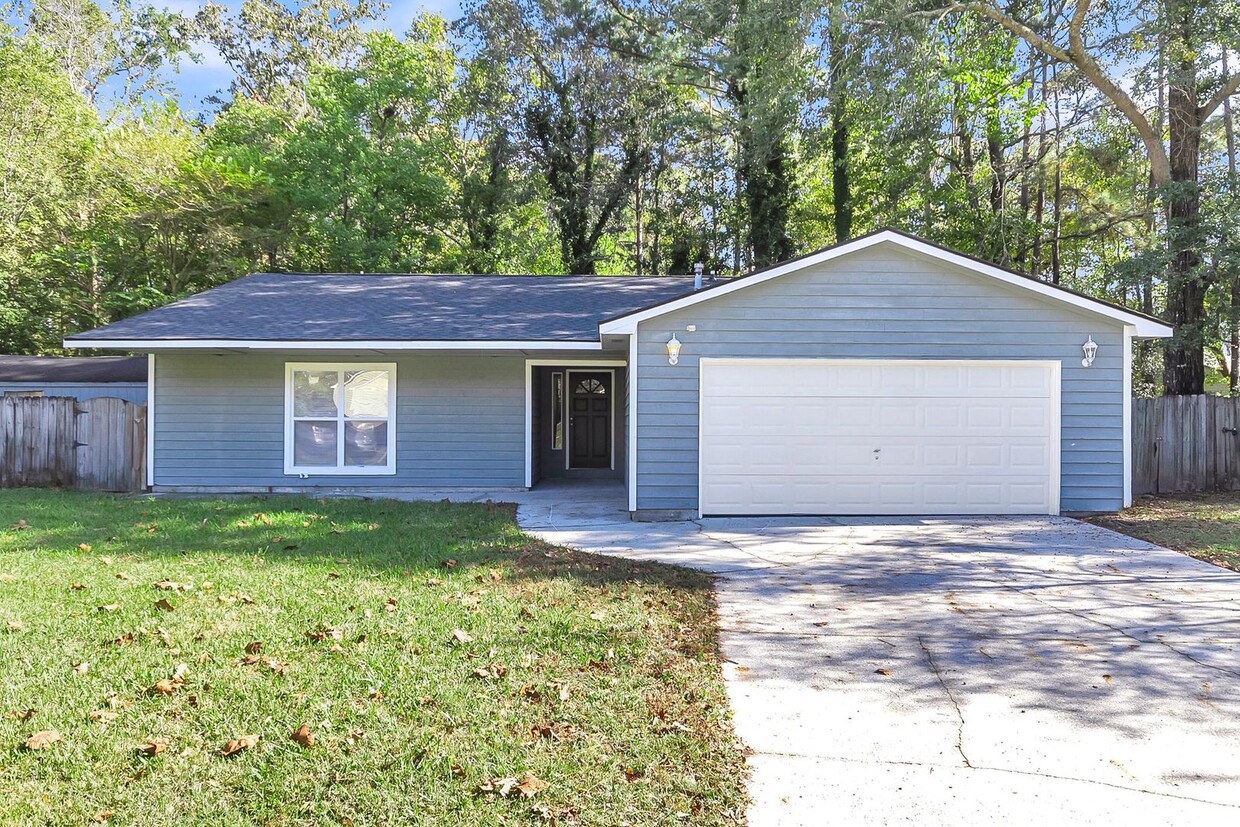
(57, 440)
(1185, 444)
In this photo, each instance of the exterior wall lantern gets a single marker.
(1090, 349)
(673, 350)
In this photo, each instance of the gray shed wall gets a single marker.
(130, 391)
(881, 303)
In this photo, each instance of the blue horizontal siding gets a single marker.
(882, 304)
(219, 421)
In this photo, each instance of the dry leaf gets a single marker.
(84, 546)
(81, 668)
(163, 605)
(42, 740)
(303, 736)
(21, 714)
(254, 647)
(7, 578)
(461, 636)
(275, 666)
(631, 775)
(111, 607)
(120, 575)
(447, 564)
(77, 587)
(239, 745)
(123, 639)
(882, 671)
(172, 586)
(324, 633)
(15, 626)
(531, 785)
(20, 525)
(101, 816)
(154, 746)
(103, 715)
(390, 605)
(434, 581)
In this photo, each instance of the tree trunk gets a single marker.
(841, 182)
(1184, 366)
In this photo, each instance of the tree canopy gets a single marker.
(1089, 143)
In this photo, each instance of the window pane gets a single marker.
(314, 443)
(366, 393)
(557, 411)
(314, 392)
(365, 443)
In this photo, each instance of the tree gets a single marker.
(1081, 37)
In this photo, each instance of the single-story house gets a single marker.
(82, 377)
(884, 375)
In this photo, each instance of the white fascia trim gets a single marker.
(1145, 328)
(150, 420)
(1129, 334)
(374, 344)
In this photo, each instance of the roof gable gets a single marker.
(1145, 326)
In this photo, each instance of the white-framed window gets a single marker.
(339, 418)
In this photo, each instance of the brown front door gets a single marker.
(589, 420)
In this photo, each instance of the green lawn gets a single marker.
(1206, 527)
(433, 651)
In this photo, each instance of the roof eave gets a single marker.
(153, 345)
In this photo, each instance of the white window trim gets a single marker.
(341, 470)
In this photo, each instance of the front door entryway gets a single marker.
(589, 419)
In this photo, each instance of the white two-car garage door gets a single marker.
(817, 436)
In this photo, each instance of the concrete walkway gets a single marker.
(1009, 671)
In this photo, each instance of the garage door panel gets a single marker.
(816, 437)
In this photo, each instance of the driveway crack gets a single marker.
(951, 696)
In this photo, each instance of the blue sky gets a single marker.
(196, 81)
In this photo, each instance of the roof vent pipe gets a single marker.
(697, 275)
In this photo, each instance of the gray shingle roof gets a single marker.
(351, 307)
(72, 369)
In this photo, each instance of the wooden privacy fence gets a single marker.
(1184, 444)
(98, 444)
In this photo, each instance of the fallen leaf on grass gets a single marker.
(20, 525)
(77, 587)
(42, 740)
(882, 671)
(15, 626)
(325, 633)
(491, 672)
(390, 605)
(172, 586)
(447, 564)
(21, 714)
(81, 668)
(631, 775)
(102, 715)
(528, 787)
(83, 546)
(154, 746)
(276, 666)
(254, 647)
(7, 578)
(111, 607)
(461, 636)
(164, 605)
(123, 639)
(120, 575)
(302, 736)
(101, 816)
(239, 745)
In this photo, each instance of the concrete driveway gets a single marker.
(963, 671)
